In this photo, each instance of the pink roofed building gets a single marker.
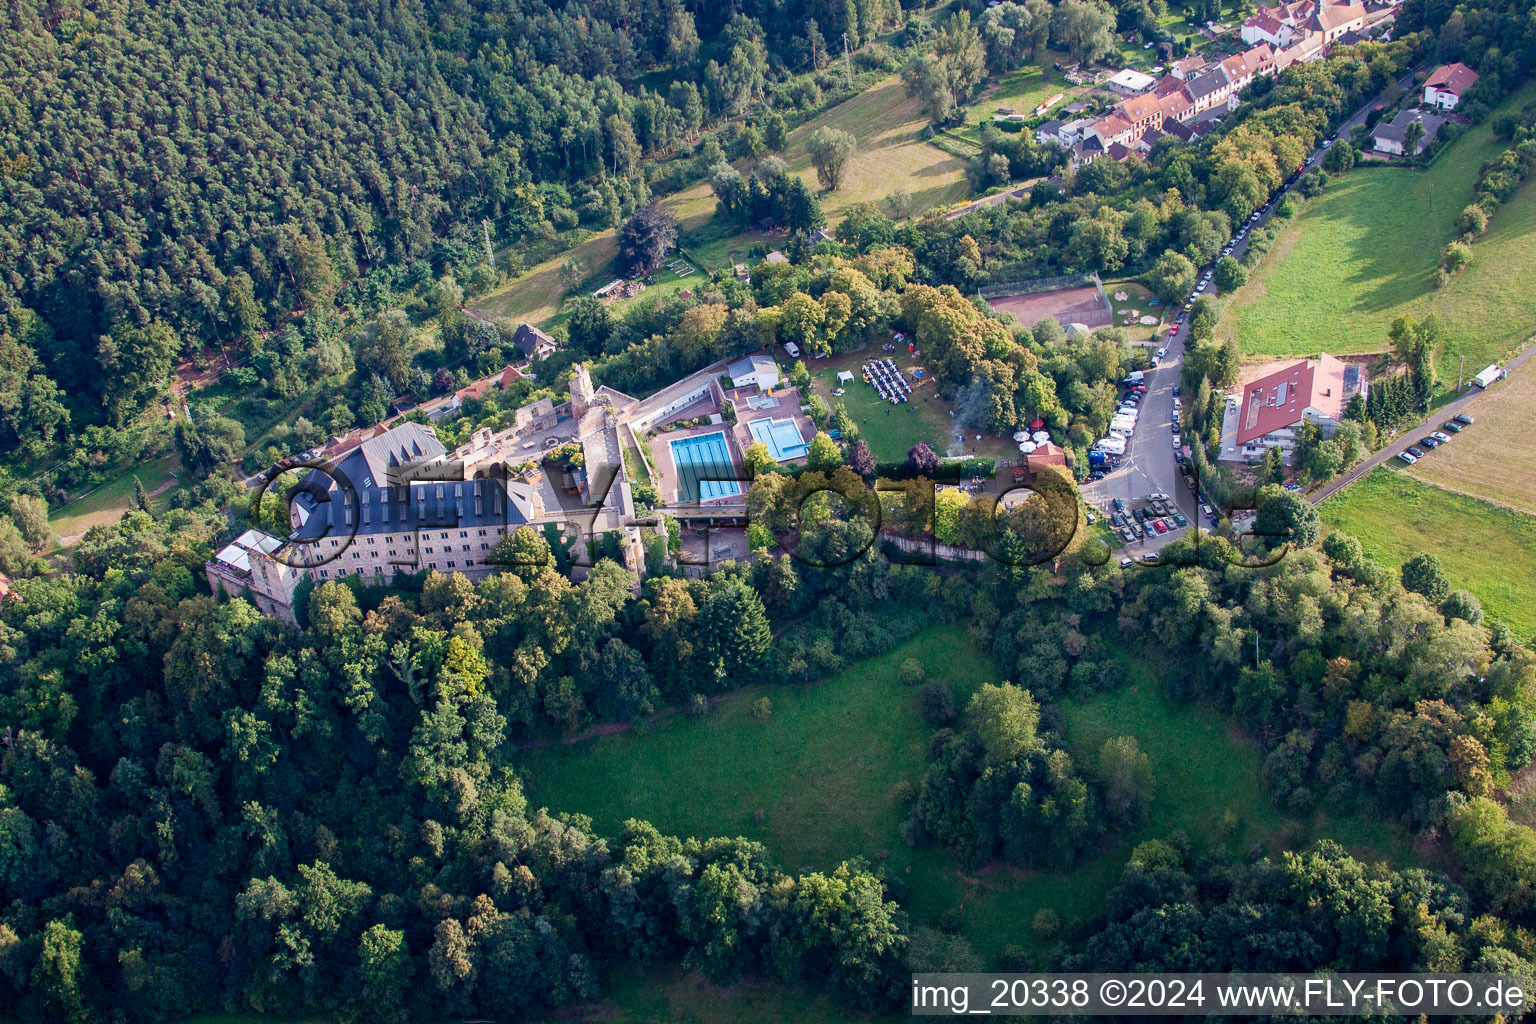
(1268, 412)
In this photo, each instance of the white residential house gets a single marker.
(1444, 88)
(757, 371)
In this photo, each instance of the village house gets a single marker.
(1391, 136)
(533, 343)
(1444, 87)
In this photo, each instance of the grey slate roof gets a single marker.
(1208, 83)
(360, 492)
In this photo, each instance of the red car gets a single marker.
(1159, 526)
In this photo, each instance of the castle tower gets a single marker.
(582, 392)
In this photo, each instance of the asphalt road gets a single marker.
(1149, 466)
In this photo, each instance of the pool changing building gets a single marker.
(1272, 408)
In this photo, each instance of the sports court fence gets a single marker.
(1041, 284)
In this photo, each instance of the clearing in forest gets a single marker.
(886, 123)
(824, 799)
(1485, 548)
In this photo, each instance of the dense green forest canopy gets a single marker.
(217, 167)
(203, 809)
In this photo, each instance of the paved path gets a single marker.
(1410, 436)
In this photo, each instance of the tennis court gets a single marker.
(781, 436)
(705, 455)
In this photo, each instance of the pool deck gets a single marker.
(666, 469)
(787, 409)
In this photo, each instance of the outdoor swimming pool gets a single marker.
(705, 455)
(781, 436)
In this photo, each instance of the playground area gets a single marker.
(1082, 302)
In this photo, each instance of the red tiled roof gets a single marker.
(1138, 108)
(1452, 78)
(1279, 400)
(1046, 455)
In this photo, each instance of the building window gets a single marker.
(427, 550)
(450, 565)
(463, 534)
(356, 556)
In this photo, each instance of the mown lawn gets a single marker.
(828, 768)
(1021, 89)
(1485, 548)
(1365, 253)
(108, 502)
(890, 429)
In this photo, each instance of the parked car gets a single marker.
(1140, 514)
(1119, 505)
(1127, 535)
(1429, 441)
(1442, 437)
(1176, 442)
(1157, 524)
(1179, 520)
(1126, 563)
(1416, 452)
(1162, 352)
(1175, 391)
(1092, 518)
(1410, 459)
(1452, 426)
(1464, 419)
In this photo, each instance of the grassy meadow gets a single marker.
(1365, 253)
(107, 503)
(828, 770)
(1485, 548)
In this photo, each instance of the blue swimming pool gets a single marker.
(781, 436)
(705, 455)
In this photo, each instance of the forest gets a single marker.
(201, 808)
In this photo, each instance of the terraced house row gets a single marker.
(1194, 93)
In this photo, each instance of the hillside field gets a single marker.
(829, 768)
(1485, 548)
(1365, 252)
(883, 119)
